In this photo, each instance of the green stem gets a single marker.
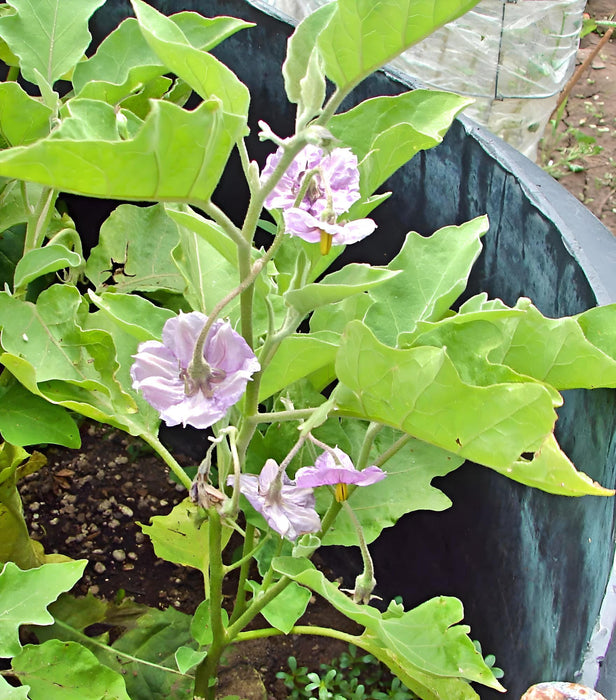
(255, 607)
(396, 447)
(225, 223)
(207, 670)
(39, 221)
(168, 458)
(300, 629)
(364, 454)
(248, 551)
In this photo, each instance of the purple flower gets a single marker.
(162, 371)
(334, 468)
(288, 509)
(332, 188)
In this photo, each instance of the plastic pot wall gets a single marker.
(530, 568)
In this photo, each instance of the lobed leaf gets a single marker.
(432, 273)
(428, 637)
(177, 155)
(48, 36)
(25, 596)
(420, 392)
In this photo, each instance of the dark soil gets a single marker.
(87, 504)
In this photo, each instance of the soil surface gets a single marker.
(582, 152)
(88, 504)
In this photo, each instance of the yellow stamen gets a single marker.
(342, 492)
(325, 243)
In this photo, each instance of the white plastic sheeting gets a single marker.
(513, 56)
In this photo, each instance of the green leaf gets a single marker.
(9, 692)
(386, 132)
(41, 261)
(551, 470)
(351, 279)
(137, 316)
(154, 639)
(26, 419)
(209, 277)
(286, 608)
(187, 657)
(406, 489)
(25, 596)
(182, 536)
(297, 356)
(301, 49)
(48, 36)
(363, 35)
(427, 637)
(557, 351)
(202, 71)
(177, 155)
(304, 79)
(134, 251)
(420, 392)
(23, 119)
(57, 670)
(433, 272)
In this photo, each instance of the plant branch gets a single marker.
(168, 458)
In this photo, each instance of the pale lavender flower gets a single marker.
(161, 371)
(288, 509)
(335, 468)
(333, 188)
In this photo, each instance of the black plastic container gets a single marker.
(531, 568)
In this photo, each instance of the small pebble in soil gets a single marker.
(118, 554)
(99, 567)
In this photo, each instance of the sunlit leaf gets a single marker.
(420, 392)
(177, 155)
(432, 274)
(286, 608)
(48, 36)
(363, 35)
(23, 119)
(40, 261)
(386, 132)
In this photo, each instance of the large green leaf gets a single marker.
(177, 155)
(25, 595)
(57, 670)
(386, 132)
(433, 272)
(202, 71)
(363, 35)
(48, 36)
(420, 392)
(134, 251)
(557, 351)
(23, 119)
(427, 638)
(407, 488)
(26, 419)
